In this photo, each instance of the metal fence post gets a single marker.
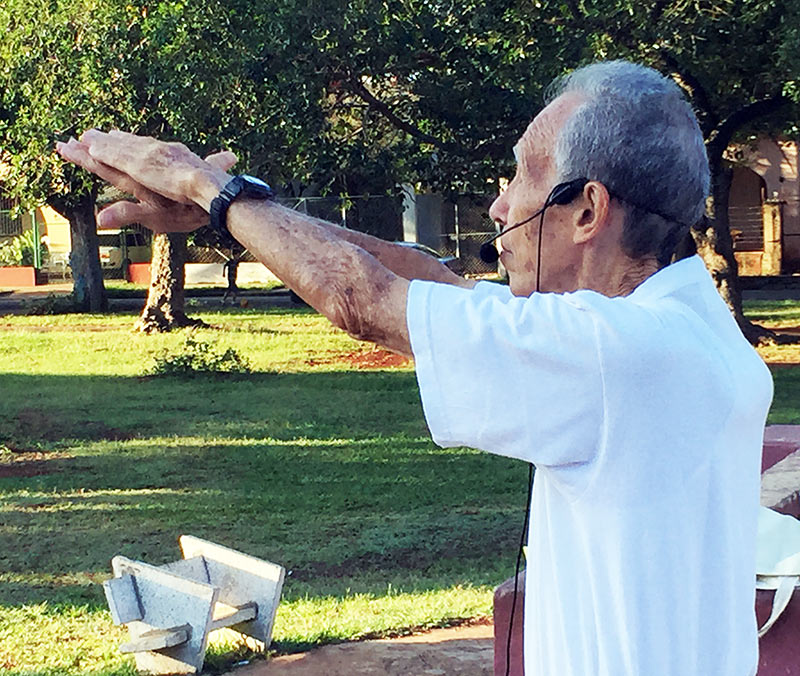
(37, 242)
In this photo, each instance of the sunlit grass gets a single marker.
(274, 340)
(305, 462)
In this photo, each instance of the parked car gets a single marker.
(118, 246)
(455, 264)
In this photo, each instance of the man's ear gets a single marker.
(592, 212)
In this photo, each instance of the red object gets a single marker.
(20, 276)
(139, 273)
(503, 598)
(779, 649)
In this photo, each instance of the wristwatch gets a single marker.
(242, 185)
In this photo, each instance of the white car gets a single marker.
(117, 246)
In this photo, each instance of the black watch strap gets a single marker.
(247, 186)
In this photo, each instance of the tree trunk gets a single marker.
(88, 291)
(164, 309)
(714, 243)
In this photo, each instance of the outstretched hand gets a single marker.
(157, 174)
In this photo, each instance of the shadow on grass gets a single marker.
(330, 474)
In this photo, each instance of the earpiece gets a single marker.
(564, 193)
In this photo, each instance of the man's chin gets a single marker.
(519, 286)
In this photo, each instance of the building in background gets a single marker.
(764, 207)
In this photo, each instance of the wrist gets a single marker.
(206, 184)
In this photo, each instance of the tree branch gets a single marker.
(360, 90)
(692, 86)
(720, 137)
(657, 11)
(574, 10)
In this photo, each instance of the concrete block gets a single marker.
(170, 610)
(123, 601)
(780, 485)
(158, 639)
(169, 601)
(241, 579)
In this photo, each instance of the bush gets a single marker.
(195, 356)
(19, 250)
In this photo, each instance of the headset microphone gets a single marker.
(562, 194)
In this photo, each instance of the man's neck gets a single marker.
(618, 276)
(638, 270)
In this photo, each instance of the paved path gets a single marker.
(459, 651)
(14, 300)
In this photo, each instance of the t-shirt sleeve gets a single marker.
(515, 376)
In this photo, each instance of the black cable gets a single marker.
(539, 249)
(519, 561)
(530, 472)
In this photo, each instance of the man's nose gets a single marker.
(498, 212)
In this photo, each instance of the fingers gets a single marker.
(155, 172)
(78, 153)
(224, 159)
(123, 213)
(177, 218)
(163, 168)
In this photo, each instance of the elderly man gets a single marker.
(621, 377)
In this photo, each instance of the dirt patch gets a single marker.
(23, 463)
(372, 359)
(49, 426)
(466, 650)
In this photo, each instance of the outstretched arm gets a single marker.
(403, 261)
(159, 214)
(342, 279)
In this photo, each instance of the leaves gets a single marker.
(360, 96)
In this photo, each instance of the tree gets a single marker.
(458, 83)
(699, 46)
(426, 92)
(198, 74)
(56, 76)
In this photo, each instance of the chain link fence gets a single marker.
(458, 230)
(378, 215)
(466, 226)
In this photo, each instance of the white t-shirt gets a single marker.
(644, 416)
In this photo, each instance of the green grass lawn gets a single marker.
(306, 462)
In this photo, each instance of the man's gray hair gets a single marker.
(637, 135)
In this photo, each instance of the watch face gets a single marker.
(252, 180)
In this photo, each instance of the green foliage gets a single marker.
(20, 250)
(195, 356)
